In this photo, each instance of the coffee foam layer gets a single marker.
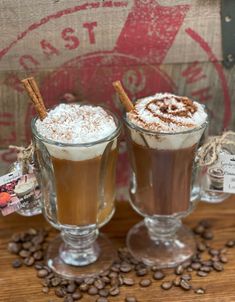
(76, 124)
(164, 112)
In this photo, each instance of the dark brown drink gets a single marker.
(163, 179)
(78, 190)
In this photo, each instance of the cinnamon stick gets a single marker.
(123, 96)
(35, 96)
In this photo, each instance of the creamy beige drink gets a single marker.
(85, 189)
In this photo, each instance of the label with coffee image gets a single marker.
(220, 177)
(17, 191)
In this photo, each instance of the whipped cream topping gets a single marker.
(76, 124)
(165, 112)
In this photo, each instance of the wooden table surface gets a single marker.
(22, 285)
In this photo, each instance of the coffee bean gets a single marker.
(27, 245)
(102, 299)
(154, 268)
(77, 296)
(200, 291)
(189, 269)
(99, 284)
(55, 281)
(202, 274)
(145, 282)
(128, 281)
(158, 275)
(24, 253)
(199, 229)
(29, 261)
(89, 281)
(179, 270)
(32, 231)
(185, 285)
(201, 247)
(186, 277)
(60, 292)
(105, 273)
(84, 287)
(114, 291)
(196, 266)
(141, 272)
(130, 299)
(105, 279)
(207, 263)
(71, 288)
(186, 264)
(38, 255)
(223, 250)
(218, 266)
(213, 252)
(205, 223)
(92, 291)
(103, 293)
(114, 281)
(68, 298)
(230, 243)
(45, 290)
(215, 258)
(46, 282)
(223, 259)
(38, 240)
(113, 275)
(16, 237)
(208, 235)
(14, 247)
(115, 268)
(42, 273)
(166, 285)
(177, 281)
(16, 263)
(64, 282)
(125, 268)
(206, 269)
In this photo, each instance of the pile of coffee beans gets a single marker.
(30, 247)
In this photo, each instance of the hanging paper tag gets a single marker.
(16, 191)
(228, 164)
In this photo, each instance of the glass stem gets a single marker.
(80, 247)
(162, 228)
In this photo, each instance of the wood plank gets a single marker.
(22, 285)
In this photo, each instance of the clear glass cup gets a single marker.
(160, 190)
(78, 188)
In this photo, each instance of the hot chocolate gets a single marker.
(75, 137)
(162, 140)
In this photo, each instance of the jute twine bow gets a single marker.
(24, 155)
(209, 152)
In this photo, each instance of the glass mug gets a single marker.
(160, 191)
(78, 187)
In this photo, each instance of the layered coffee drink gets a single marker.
(163, 131)
(82, 143)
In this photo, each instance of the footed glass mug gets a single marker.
(160, 191)
(78, 188)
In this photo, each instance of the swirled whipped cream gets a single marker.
(76, 124)
(165, 112)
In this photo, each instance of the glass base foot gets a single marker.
(213, 197)
(29, 212)
(162, 253)
(107, 255)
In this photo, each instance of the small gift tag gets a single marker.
(17, 191)
(228, 163)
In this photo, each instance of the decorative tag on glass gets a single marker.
(228, 163)
(217, 161)
(19, 189)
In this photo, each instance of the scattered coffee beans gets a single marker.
(30, 247)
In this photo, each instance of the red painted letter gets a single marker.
(28, 62)
(66, 35)
(193, 73)
(90, 27)
(48, 49)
